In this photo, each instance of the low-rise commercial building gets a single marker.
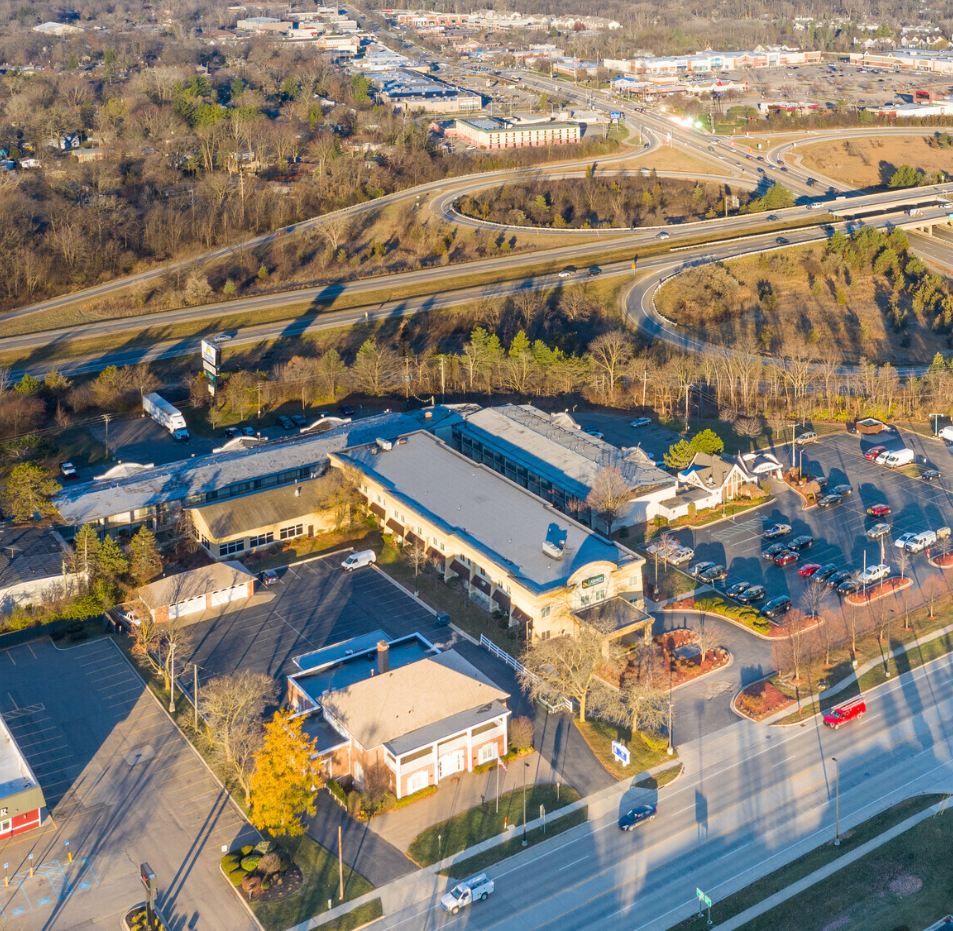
(34, 567)
(422, 715)
(409, 91)
(709, 482)
(552, 457)
(905, 60)
(502, 134)
(21, 798)
(511, 551)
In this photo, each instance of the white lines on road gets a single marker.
(573, 863)
(734, 850)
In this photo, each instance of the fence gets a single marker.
(560, 702)
(14, 638)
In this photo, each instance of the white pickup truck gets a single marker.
(463, 894)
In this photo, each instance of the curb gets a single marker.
(868, 599)
(710, 672)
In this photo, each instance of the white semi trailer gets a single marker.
(162, 412)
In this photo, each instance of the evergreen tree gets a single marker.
(109, 562)
(29, 492)
(145, 564)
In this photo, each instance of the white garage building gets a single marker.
(197, 590)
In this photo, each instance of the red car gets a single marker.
(879, 510)
(874, 452)
(809, 568)
(786, 558)
(844, 713)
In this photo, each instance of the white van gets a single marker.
(356, 560)
(946, 434)
(899, 457)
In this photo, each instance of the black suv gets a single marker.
(751, 595)
(801, 543)
(777, 607)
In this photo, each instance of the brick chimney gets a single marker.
(383, 657)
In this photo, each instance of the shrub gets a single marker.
(334, 787)
(251, 884)
(230, 862)
(266, 846)
(265, 885)
(390, 802)
(236, 877)
(251, 862)
(416, 797)
(247, 849)
(522, 731)
(269, 863)
(353, 802)
(654, 741)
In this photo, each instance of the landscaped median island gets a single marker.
(646, 751)
(488, 820)
(862, 896)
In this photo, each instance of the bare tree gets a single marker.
(418, 557)
(570, 666)
(707, 639)
(611, 353)
(814, 596)
(932, 589)
(609, 494)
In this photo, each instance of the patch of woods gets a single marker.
(835, 283)
(177, 163)
(600, 202)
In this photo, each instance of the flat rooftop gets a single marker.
(335, 652)
(493, 514)
(558, 450)
(178, 481)
(361, 666)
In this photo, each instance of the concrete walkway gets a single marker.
(834, 866)
(860, 670)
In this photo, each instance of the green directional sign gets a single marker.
(704, 898)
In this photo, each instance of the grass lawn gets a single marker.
(480, 823)
(912, 658)
(862, 884)
(320, 869)
(670, 582)
(514, 845)
(599, 735)
(360, 916)
(449, 597)
(903, 884)
(662, 779)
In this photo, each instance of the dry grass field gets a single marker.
(724, 304)
(870, 162)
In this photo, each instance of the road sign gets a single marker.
(620, 752)
(703, 898)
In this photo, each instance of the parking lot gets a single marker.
(838, 532)
(314, 603)
(122, 786)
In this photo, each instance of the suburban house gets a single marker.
(552, 457)
(21, 798)
(512, 551)
(402, 704)
(708, 482)
(33, 567)
(196, 590)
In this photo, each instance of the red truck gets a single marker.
(841, 715)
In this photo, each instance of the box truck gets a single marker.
(162, 412)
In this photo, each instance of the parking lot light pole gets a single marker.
(525, 842)
(836, 803)
(172, 679)
(936, 424)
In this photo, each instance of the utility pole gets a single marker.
(195, 693)
(340, 866)
(443, 380)
(836, 803)
(525, 842)
(172, 679)
(106, 419)
(258, 386)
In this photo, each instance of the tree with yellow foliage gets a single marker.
(285, 777)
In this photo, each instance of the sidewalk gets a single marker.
(860, 670)
(811, 879)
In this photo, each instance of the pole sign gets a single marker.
(211, 354)
(620, 752)
(615, 114)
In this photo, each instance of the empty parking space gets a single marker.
(122, 786)
(315, 603)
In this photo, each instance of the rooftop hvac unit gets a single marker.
(384, 444)
(553, 549)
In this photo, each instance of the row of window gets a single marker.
(263, 539)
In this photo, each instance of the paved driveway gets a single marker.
(123, 787)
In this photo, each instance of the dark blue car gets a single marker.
(637, 816)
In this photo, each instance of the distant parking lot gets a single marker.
(838, 532)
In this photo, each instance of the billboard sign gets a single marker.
(211, 354)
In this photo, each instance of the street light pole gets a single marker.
(172, 679)
(524, 842)
(836, 803)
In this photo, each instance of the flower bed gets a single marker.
(942, 562)
(880, 590)
(714, 604)
(686, 668)
(761, 700)
(262, 873)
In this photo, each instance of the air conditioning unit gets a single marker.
(553, 549)
(382, 444)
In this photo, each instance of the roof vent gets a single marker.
(383, 444)
(553, 549)
(298, 491)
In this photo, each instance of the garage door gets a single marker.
(229, 594)
(189, 606)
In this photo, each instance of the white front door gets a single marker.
(451, 763)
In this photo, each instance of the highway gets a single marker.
(752, 798)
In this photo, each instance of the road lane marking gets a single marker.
(573, 863)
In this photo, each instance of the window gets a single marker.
(5, 826)
(263, 539)
(286, 533)
(545, 612)
(489, 752)
(229, 549)
(205, 541)
(417, 781)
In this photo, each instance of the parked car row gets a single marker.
(891, 459)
